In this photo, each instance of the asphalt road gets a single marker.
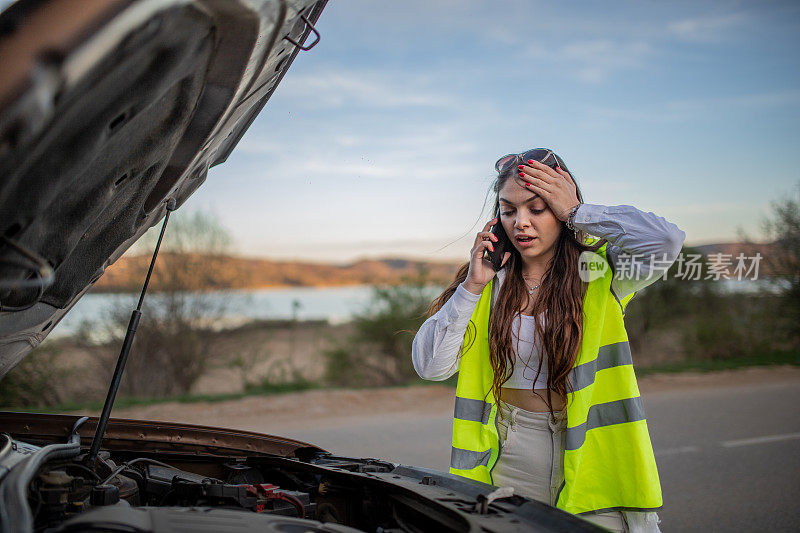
(728, 457)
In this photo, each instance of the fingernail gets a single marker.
(520, 167)
(527, 184)
(521, 174)
(491, 246)
(530, 160)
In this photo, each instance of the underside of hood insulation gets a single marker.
(108, 108)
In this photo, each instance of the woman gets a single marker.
(545, 335)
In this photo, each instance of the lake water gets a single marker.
(334, 304)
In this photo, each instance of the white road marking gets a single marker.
(759, 440)
(730, 444)
(675, 451)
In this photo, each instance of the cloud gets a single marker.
(761, 100)
(593, 61)
(379, 165)
(714, 28)
(706, 208)
(329, 89)
(346, 148)
(659, 114)
(612, 50)
(677, 111)
(255, 145)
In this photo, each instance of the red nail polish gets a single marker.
(521, 174)
(520, 167)
(528, 184)
(530, 160)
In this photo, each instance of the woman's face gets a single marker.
(530, 224)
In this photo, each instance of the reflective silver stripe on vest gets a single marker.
(608, 356)
(467, 459)
(473, 410)
(605, 414)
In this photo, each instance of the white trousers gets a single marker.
(532, 459)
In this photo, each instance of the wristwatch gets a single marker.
(571, 217)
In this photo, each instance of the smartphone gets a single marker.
(502, 245)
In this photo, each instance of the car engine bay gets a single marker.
(137, 493)
(50, 488)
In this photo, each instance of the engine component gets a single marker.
(15, 486)
(57, 495)
(54, 490)
(170, 486)
(262, 498)
(104, 495)
(195, 519)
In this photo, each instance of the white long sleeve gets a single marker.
(634, 237)
(437, 345)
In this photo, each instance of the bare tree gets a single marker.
(782, 228)
(172, 349)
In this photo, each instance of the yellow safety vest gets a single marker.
(608, 457)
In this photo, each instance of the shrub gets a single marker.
(379, 350)
(33, 382)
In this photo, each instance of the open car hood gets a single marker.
(108, 108)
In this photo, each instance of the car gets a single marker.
(111, 114)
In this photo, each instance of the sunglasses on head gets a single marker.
(543, 155)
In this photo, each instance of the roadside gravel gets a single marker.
(331, 408)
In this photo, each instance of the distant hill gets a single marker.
(127, 274)
(735, 248)
(730, 251)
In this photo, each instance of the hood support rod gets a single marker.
(102, 422)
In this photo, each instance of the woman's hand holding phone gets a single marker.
(481, 271)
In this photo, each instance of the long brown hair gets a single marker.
(561, 293)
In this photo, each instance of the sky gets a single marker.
(381, 140)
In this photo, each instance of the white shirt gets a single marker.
(528, 351)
